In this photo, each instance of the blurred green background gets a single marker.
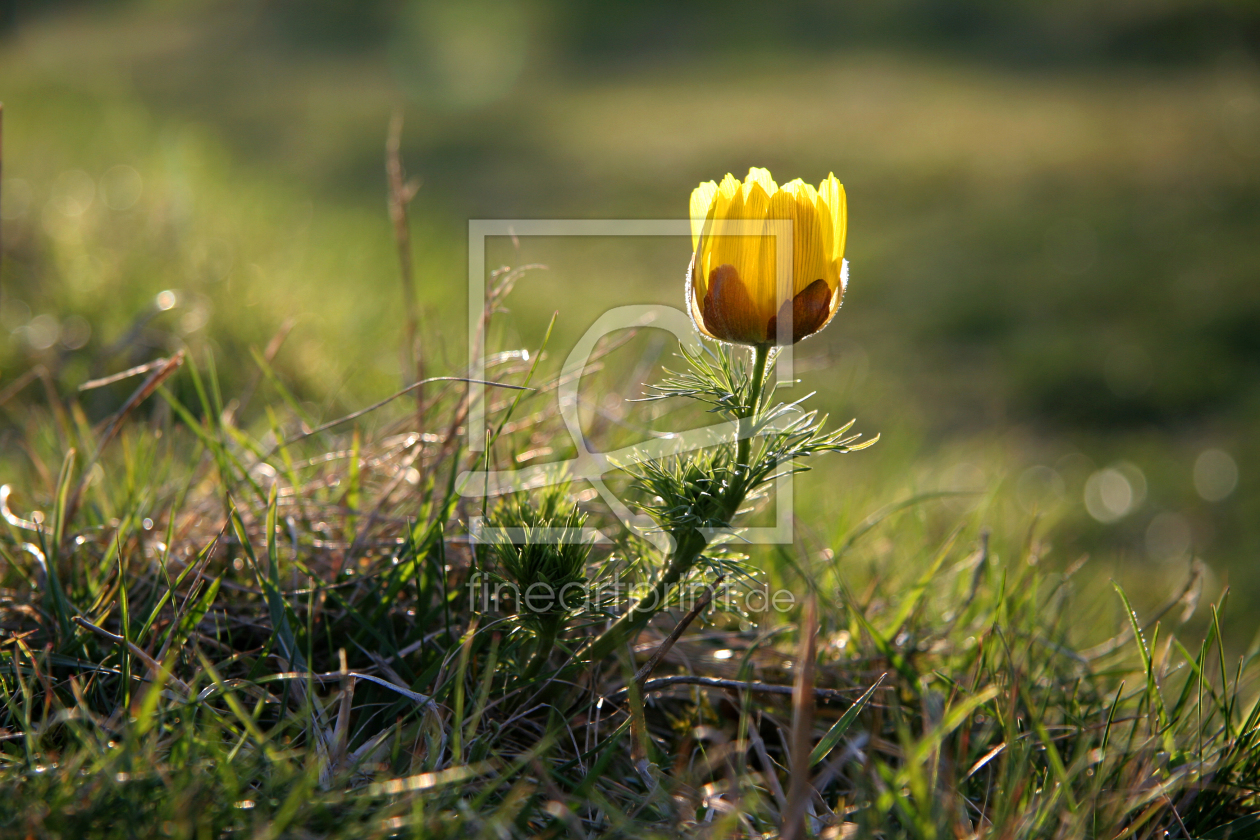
(1054, 220)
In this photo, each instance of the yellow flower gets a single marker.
(733, 291)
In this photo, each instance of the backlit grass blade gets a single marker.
(1144, 654)
(269, 580)
(837, 730)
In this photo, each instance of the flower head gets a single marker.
(734, 291)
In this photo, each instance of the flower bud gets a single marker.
(734, 291)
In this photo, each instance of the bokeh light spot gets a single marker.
(42, 332)
(121, 187)
(75, 332)
(1215, 475)
(73, 192)
(1115, 492)
(1168, 537)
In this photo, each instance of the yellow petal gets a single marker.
(730, 199)
(755, 262)
(727, 312)
(697, 288)
(842, 224)
(826, 227)
(714, 248)
(761, 178)
(809, 311)
(701, 203)
(810, 252)
(831, 192)
(779, 288)
(794, 186)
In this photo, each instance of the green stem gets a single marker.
(547, 633)
(690, 543)
(743, 450)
